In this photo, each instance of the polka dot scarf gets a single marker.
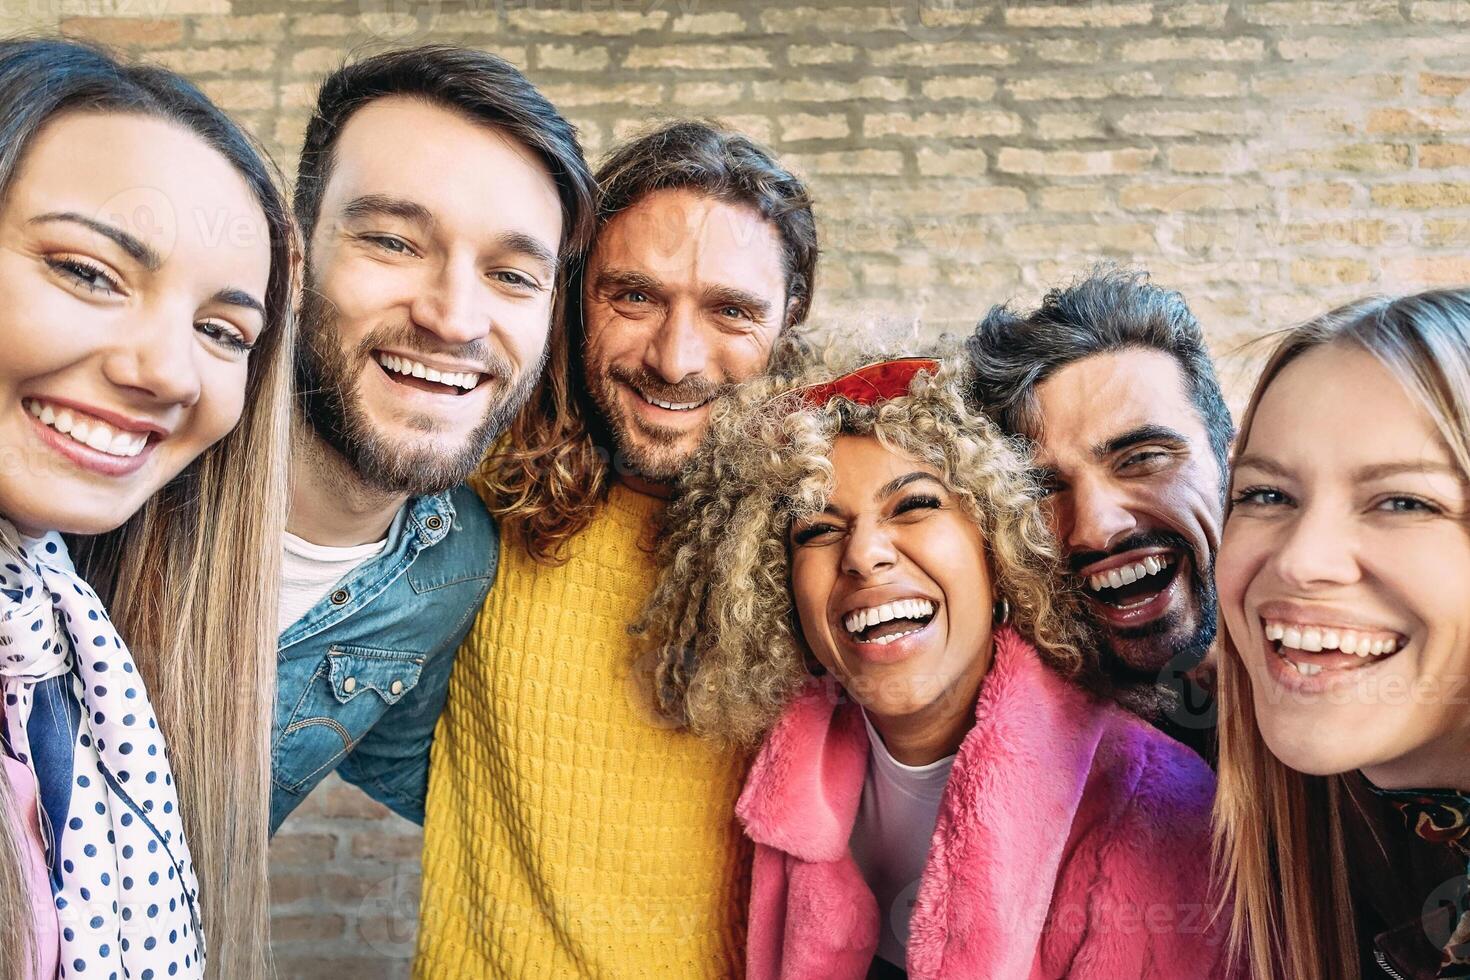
(77, 715)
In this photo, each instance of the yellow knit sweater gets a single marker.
(568, 833)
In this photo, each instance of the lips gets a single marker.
(1136, 587)
(1310, 649)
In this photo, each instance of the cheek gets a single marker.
(221, 403)
(812, 579)
(524, 327)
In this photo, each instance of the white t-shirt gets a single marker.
(308, 572)
(890, 840)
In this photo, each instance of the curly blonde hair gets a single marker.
(722, 624)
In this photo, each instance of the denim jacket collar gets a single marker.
(428, 519)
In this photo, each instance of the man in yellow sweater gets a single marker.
(568, 831)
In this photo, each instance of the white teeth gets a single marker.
(673, 406)
(90, 432)
(1115, 578)
(861, 619)
(1318, 638)
(1307, 670)
(402, 365)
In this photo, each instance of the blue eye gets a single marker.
(1260, 497)
(1407, 505)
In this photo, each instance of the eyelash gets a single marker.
(1248, 497)
(907, 504)
(84, 274)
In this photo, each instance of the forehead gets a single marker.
(1343, 407)
(861, 465)
(456, 166)
(685, 237)
(154, 179)
(1093, 400)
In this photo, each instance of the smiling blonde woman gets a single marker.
(857, 578)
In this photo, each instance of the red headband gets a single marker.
(871, 383)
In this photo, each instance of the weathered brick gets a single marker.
(713, 23)
(1089, 15)
(977, 88)
(1059, 87)
(127, 32)
(1067, 51)
(807, 126)
(1329, 271)
(820, 54)
(709, 57)
(258, 28)
(1429, 195)
(569, 57)
(1448, 86)
(1212, 122)
(251, 59)
(1435, 156)
(872, 88)
(1296, 13)
(955, 125)
(1117, 237)
(387, 845)
(317, 61)
(1069, 126)
(941, 55)
(1322, 195)
(595, 20)
(1074, 163)
(1313, 48)
(1445, 233)
(1208, 85)
(1194, 15)
(569, 95)
(950, 162)
(307, 928)
(240, 95)
(855, 162)
(1202, 158)
(1090, 198)
(1296, 83)
(826, 20)
(1440, 11)
(1429, 120)
(1428, 271)
(1194, 49)
(1176, 198)
(1356, 158)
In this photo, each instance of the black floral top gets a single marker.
(1443, 817)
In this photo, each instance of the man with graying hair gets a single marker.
(1110, 381)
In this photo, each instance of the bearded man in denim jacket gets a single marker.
(440, 198)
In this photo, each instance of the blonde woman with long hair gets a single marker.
(1344, 578)
(859, 583)
(146, 279)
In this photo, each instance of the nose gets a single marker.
(1318, 548)
(159, 359)
(1093, 515)
(450, 307)
(677, 350)
(869, 550)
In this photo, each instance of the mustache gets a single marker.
(411, 340)
(695, 389)
(1144, 539)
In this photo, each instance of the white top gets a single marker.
(890, 840)
(308, 572)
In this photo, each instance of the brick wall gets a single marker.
(1269, 158)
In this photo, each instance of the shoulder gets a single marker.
(1151, 780)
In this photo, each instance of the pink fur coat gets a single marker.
(1073, 841)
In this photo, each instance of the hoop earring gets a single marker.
(1000, 613)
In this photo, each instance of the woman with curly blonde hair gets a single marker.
(858, 577)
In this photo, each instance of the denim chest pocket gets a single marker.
(352, 687)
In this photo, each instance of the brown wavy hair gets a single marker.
(546, 481)
(722, 623)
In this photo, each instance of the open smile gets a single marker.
(667, 406)
(1298, 652)
(1135, 588)
(415, 374)
(889, 631)
(108, 446)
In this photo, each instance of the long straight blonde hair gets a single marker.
(1280, 833)
(190, 580)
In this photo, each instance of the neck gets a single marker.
(649, 488)
(330, 503)
(1444, 765)
(930, 734)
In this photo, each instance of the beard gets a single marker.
(327, 381)
(1143, 655)
(653, 452)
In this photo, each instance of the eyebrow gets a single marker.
(136, 248)
(381, 205)
(626, 279)
(894, 485)
(1138, 436)
(1364, 474)
(239, 297)
(730, 296)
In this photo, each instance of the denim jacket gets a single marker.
(362, 676)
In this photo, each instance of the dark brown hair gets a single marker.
(548, 482)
